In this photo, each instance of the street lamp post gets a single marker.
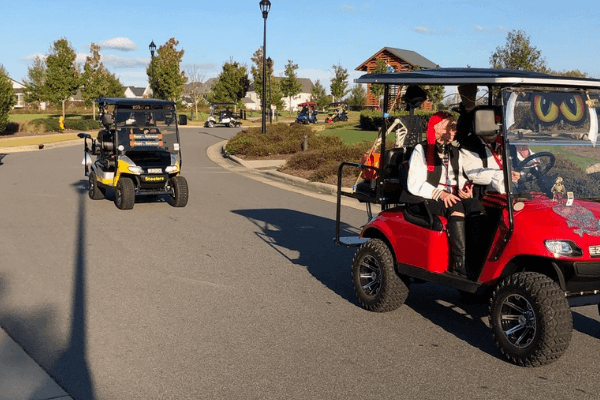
(152, 48)
(265, 6)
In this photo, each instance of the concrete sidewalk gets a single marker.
(21, 378)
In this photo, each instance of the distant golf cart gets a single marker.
(137, 152)
(308, 113)
(337, 112)
(220, 113)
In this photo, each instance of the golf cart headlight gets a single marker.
(135, 169)
(171, 168)
(562, 248)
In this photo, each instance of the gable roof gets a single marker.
(411, 57)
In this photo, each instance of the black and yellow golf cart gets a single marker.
(137, 152)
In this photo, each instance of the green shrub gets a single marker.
(81, 124)
(278, 139)
(41, 125)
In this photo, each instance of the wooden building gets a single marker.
(398, 60)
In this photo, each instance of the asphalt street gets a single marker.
(240, 295)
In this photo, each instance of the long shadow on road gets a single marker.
(71, 368)
(311, 238)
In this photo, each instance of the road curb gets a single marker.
(317, 187)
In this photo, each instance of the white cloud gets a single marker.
(31, 57)
(118, 43)
(348, 8)
(497, 30)
(121, 62)
(422, 29)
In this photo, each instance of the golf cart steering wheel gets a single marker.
(529, 173)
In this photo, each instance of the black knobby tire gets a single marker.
(94, 191)
(125, 194)
(179, 192)
(376, 283)
(530, 318)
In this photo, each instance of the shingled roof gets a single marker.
(412, 58)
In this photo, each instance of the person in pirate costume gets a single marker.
(482, 154)
(436, 179)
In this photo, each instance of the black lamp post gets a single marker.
(152, 48)
(265, 6)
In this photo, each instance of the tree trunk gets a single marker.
(63, 109)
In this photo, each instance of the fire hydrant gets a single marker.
(61, 122)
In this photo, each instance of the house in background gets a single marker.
(18, 88)
(132, 92)
(398, 60)
(252, 101)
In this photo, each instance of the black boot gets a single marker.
(456, 236)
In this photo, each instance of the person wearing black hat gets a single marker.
(436, 178)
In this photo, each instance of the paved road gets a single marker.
(241, 294)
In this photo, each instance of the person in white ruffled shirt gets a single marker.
(436, 178)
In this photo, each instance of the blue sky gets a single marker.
(314, 34)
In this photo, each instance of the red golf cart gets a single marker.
(536, 251)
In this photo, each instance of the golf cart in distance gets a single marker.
(337, 112)
(137, 153)
(536, 251)
(307, 114)
(220, 113)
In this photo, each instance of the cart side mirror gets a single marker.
(183, 119)
(485, 123)
(106, 120)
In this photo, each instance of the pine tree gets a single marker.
(290, 85)
(62, 76)
(168, 80)
(7, 97)
(518, 53)
(339, 82)
(34, 83)
(232, 85)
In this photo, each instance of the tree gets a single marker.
(319, 96)
(194, 88)
(435, 95)
(358, 96)
(339, 82)
(574, 73)
(7, 97)
(168, 80)
(290, 85)
(34, 83)
(97, 81)
(518, 53)
(62, 75)
(257, 72)
(232, 84)
(377, 90)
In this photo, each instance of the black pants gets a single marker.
(468, 207)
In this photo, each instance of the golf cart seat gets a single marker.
(395, 172)
(105, 139)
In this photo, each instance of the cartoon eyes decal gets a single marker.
(567, 107)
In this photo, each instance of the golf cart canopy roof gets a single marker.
(479, 76)
(129, 103)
